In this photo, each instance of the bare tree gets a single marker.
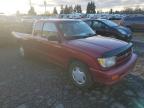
(30, 3)
(45, 5)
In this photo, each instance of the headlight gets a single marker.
(107, 62)
(122, 31)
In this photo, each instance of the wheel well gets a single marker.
(74, 59)
(85, 64)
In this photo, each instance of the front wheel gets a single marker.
(79, 75)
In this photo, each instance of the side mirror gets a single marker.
(53, 38)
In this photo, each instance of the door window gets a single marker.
(49, 30)
(98, 25)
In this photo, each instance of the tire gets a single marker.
(23, 52)
(79, 75)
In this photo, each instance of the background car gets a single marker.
(135, 23)
(110, 29)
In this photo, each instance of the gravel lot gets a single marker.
(36, 84)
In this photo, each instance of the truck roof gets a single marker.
(57, 20)
(88, 19)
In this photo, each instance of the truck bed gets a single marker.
(21, 35)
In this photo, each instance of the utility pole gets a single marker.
(45, 5)
(30, 3)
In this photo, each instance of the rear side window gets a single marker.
(38, 29)
(49, 29)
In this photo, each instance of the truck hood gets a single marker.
(96, 45)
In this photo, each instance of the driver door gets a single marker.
(49, 43)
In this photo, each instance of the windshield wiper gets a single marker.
(73, 37)
(90, 35)
(79, 37)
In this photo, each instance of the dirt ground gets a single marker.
(139, 68)
(138, 36)
(28, 83)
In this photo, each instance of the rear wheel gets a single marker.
(22, 51)
(79, 75)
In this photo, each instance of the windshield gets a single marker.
(110, 23)
(76, 29)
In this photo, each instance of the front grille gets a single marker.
(124, 56)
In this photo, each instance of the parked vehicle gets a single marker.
(73, 45)
(135, 23)
(72, 16)
(110, 29)
(115, 17)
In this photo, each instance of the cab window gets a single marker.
(49, 30)
(37, 29)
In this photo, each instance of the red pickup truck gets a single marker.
(73, 45)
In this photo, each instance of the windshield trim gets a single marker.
(78, 37)
(77, 34)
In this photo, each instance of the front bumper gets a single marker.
(115, 74)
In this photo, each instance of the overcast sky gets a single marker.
(11, 6)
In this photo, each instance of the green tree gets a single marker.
(88, 8)
(71, 9)
(55, 11)
(62, 10)
(32, 11)
(91, 8)
(66, 10)
(78, 9)
(111, 11)
(75, 9)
